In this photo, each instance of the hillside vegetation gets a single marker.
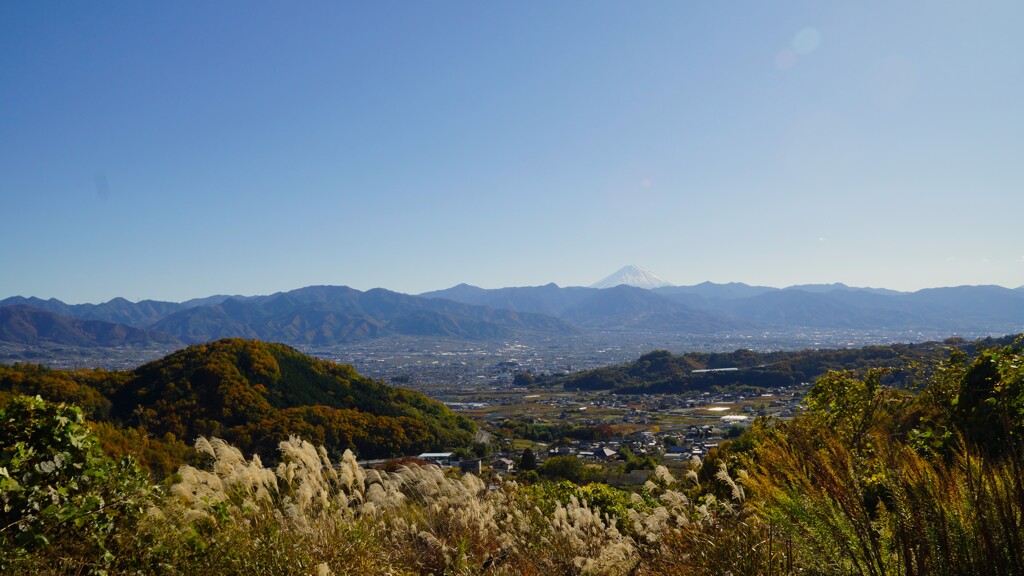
(252, 393)
(869, 480)
(661, 372)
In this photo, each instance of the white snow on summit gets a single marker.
(633, 276)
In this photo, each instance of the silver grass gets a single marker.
(723, 474)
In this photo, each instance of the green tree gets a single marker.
(58, 488)
(633, 462)
(568, 468)
(528, 461)
(989, 406)
(524, 379)
(852, 406)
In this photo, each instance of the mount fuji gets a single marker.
(633, 275)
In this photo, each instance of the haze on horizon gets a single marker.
(172, 151)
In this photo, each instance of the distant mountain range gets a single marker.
(326, 315)
(28, 325)
(710, 307)
(318, 315)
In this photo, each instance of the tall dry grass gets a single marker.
(894, 512)
(308, 515)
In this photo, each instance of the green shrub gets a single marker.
(59, 490)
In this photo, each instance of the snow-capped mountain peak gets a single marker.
(633, 276)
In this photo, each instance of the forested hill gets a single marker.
(254, 394)
(663, 372)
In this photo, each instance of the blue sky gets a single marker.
(176, 150)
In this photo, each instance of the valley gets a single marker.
(441, 365)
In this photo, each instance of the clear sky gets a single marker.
(171, 150)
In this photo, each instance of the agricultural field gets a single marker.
(664, 413)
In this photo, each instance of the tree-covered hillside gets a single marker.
(254, 394)
(663, 372)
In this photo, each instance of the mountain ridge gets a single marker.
(328, 315)
(32, 326)
(337, 314)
